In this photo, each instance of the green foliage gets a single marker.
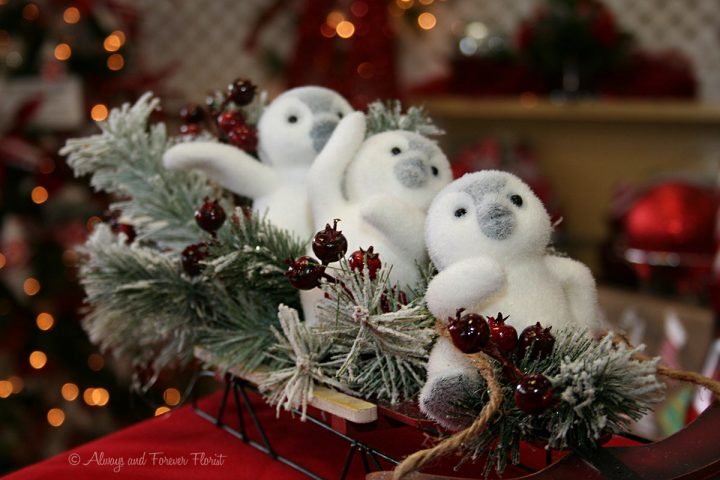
(385, 116)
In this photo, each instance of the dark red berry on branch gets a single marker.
(241, 92)
(191, 257)
(469, 332)
(210, 216)
(330, 244)
(537, 340)
(359, 258)
(190, 129)
(229, 120)
(534, 394)
(192, 113)
(244, 137)
(304, 272)
(501, 334)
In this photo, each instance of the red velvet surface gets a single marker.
(181, 433)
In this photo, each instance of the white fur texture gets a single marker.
(491, 257)
(291, 132)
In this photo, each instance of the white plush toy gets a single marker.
(380, 188)
(487, 234)
(292, 130)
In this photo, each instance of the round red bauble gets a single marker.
(244, 137)
(504, 336)
(191, 257)
(469, 332)
(210, 216)
(229, 120)
(538, 340)
(241, 92)
(330, 244)
(360, 257)
(534, 394)
(304, 272)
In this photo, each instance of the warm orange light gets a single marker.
(6, 389)
(345, 29)
(327, 31)
(161, 410)
(427, 21)
(39, 195)
(30, 12)
(69, 391)
(63, 51)
(88, 396)
(17, 383)
(112, 43)
(172, 396)
(96, 362)
(99, 112)
(120, 35)
(44, 321)
(404, 4)
(115, 62)
(334, 18)
(3, 260)
(71, 15)
(55, 417)
(38, 359)
(91, 222)
(100, 397)
(69, 257)
(31, 286)
(528, 99)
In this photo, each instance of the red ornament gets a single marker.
(210, 216)
(503, 335)
(330, 244)
(241, 92)
(538, 340)
(244, 137)
(191, 257)
(534, 394)
(192, 113)
(469, 332)
(304, 273)
(229, 120)
(190, 129)
(359, 258)
(401, 299)
(124, 228)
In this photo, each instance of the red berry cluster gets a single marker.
(210, 216)
(224, 116)
(117, 228)
(472, 333)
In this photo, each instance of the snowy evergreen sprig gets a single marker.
(385, 116)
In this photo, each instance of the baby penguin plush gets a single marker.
(292, 130)
(487, 234)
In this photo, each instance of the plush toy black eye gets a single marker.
(292, 119)
(434, 171)
(396, 151)
(460, 212)
(340, 115)
(516, 200)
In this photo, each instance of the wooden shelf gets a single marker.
(533, 108)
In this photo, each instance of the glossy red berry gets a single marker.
(190, 129)
(244, 137)
(229, 120)
(359, 258)
(469, 332)
(304, 272)
(501, 334)
(330, 244)
(537, 340)
(534, 394)
(192, 113)
(191, 257)
(399, 298)
(210, 216)
(241, 92)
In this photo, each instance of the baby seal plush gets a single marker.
(487, 234)
(292, 130)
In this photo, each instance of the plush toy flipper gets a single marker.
(227, 165)
(464, 285)
(399, 221)
(327, 172)
(579, 286)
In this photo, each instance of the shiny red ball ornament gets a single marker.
(673, 217)
(210, 216)
(501, 334)
(229, 120)
(534, 394)
(469, 332)
(241, 92)
(190, 129)
(192, 113)
(244, 137)
(359, 258)
(330, 244)
(191, 257)
(537, 340)
(304, 272)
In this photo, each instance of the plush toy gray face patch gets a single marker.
(496, 220)
(320, 133)
(326, 114)
(415, 170)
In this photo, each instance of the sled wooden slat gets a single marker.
(330, 401)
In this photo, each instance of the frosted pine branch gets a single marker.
(385, 116)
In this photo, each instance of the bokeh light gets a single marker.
(427, 21)
(71, 15)
(37, 359)
(69, 391)
(63, 51)
(345, 29)
(96, 362)
(44, 321)
(39, 195)
(115, 62)
(172, 396)
(31, 286)
(99, 112)
(56, 417)
(161, 410)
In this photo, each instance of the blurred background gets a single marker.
(609, 109)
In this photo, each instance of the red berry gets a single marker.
(210, 216)
(244, 137)
(192, 113)
(229, 120)
(190, 129)
(538, 340)
(330, 244)
(241, 92)
(503, 335)
(191, 257)
(359, 258)
(304, 273)
(534, 394)
(400, 299)
(469, 332)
